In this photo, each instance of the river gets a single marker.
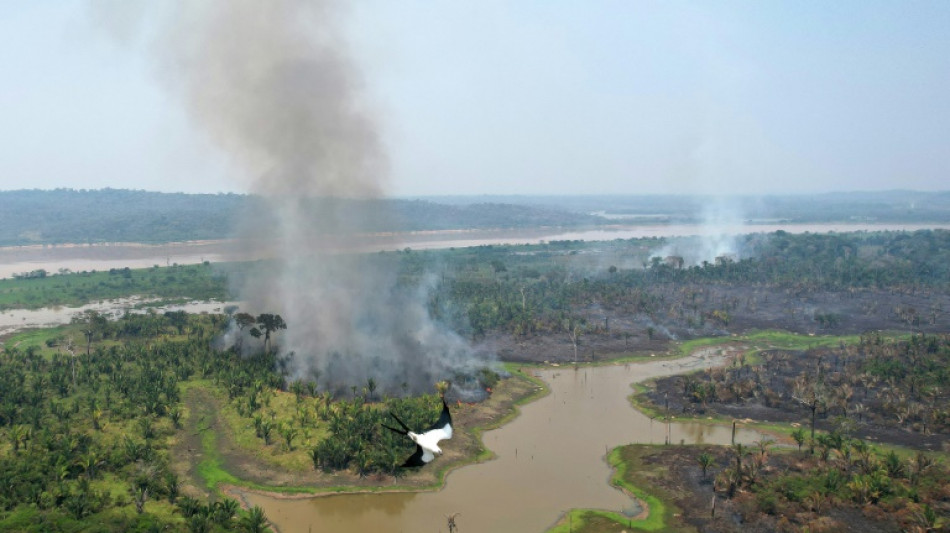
(18, 259)
(13, 320)
(550, 459)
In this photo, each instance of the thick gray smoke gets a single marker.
(271, 83)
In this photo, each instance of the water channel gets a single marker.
(549, 459)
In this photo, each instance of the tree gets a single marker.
(812, 394)
(93, 324)
(254, 521)
(223, 511)
(371, 387)
(270, 323)
(178, 320)
(799, 436)
(288, 432)
(705, 461)
(242, 321)
(441, 387)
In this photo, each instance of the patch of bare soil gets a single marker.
(469, 419)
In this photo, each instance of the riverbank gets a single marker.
(214, 461)
(548, 460)
(103, 256)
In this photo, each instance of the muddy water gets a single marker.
(17, 259)
(550, 459)
(17, 319)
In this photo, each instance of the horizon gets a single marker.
(511, 195)
(594, 99)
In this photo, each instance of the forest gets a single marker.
(93, 414)
(32, 217)
(37, 217)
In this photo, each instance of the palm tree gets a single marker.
(764, 446)
(19, 434)
(812, 394)
(705, 461)
(442, 387)
(371, 387)
(288, 432)
(254, 521)
(224, 510)
(172, 485)
(799, 436)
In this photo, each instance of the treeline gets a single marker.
(550, 288)
(825, 261)
(114, 215)
(39, 288)
(117, 215)
(553, 287)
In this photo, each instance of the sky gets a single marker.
(483, 97)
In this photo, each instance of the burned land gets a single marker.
(102, 400)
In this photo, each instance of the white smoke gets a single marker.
(722, 223)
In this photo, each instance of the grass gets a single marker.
(630, 475)
(39, 339)
(212, 469)
(280, 406)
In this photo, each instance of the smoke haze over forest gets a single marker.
(275, 88)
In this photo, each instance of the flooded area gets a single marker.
(77, 258)
(16, 319)
(549, 459)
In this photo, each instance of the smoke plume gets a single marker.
(272, 84)
(721, 223)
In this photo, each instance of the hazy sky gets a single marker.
(530, 97)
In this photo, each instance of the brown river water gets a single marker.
(550, 459)
(17, 259)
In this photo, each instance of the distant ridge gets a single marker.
(29, 217)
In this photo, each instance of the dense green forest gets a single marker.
(87, 431)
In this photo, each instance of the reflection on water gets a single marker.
(549, 459)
